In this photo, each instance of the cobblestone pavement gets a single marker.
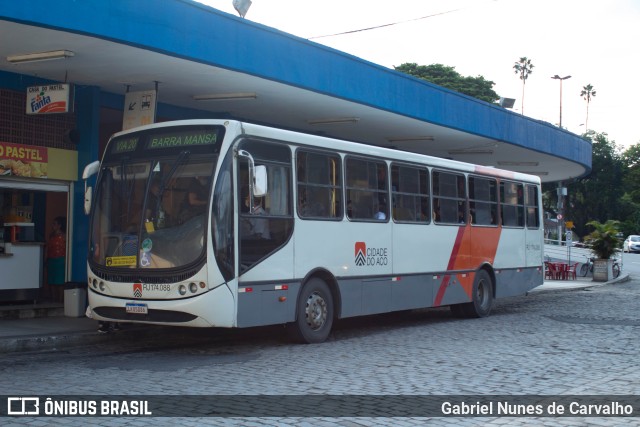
(577, 342)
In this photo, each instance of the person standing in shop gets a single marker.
(56, 258)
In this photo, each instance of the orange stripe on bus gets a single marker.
(473, 247)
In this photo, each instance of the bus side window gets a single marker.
(319, 185)
(483, 200)
(410, 193)
(366, 183)
(449, 198)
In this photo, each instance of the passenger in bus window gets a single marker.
(302, 201)
(196, 200)
(461, 216)
(154, 212)
(436, 210)
(382, 212)
(198, 192)
(257, 228)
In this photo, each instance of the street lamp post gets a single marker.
(561, 189)
(557, 77)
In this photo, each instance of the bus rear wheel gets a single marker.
(481, 298)
(314, 313)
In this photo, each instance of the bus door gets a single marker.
(265, 226)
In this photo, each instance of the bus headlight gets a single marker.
(182, 290)
(101, 286)
(193, 287)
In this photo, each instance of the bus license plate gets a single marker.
(136, 308)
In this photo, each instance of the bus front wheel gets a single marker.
(481, 298)
(314, 313)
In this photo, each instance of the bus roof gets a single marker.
(322, 142)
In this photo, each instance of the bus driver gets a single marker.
(257, 228)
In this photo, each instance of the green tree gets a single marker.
(445, 76)
(597, 196)
(587, 93)
(523, 67)
(630, 201)
(631, 163)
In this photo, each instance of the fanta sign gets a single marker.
(48, 99)
(365, 256)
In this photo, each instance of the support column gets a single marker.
(87, 106)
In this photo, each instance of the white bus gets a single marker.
(215, 223)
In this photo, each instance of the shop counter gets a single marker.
(21, 267)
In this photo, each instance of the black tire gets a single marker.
(616, 270)
(584, 270)
(482, 296)
(314, 313)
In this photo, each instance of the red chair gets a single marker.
(551, 271)
(572, 271)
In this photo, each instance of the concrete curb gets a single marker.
(568, 286)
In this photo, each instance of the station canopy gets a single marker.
(211, 64)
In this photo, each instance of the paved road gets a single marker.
(577, 342)
(631, 263)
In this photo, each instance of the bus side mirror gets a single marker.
(88, 195)
(260, 184)
(89, 170)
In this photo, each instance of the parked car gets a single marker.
(631, 244)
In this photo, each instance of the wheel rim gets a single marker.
(482, 295)
(316, 311)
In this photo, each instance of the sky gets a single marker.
(593, 41)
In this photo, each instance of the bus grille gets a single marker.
(153, 315)
(145, 278)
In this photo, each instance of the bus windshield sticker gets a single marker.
(147, 244)
(124, 145)
(145, 260)
(121, 261)
(183, 139)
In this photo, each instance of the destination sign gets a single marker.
(183, 139)
(124, 145)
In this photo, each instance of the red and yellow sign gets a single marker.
(38, 162)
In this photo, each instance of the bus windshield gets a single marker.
(152, 198)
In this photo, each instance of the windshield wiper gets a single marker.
(182, 157)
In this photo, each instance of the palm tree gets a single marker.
(604, 238)
(587, 93)
(524, 67)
